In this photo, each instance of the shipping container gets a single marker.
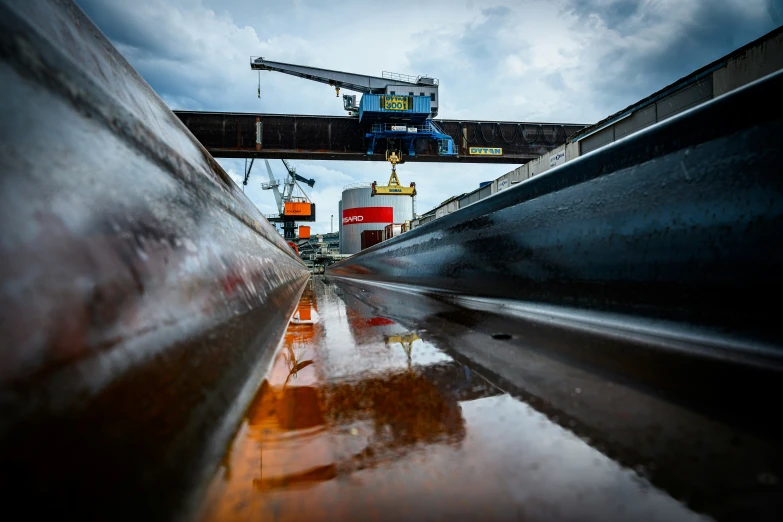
(304, 232)
(361, 211)
(371, 237)
(302, 211)
(389, 231)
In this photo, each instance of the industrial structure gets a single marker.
(301, 137)
(293, 204)
(361, 211)
(320, 251)
(593, 344)
(394, 187)
(395, 109)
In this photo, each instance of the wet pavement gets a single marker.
(362, 417)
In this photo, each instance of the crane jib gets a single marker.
(381, 107)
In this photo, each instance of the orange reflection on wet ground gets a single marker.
(360, 419)
(303, 429)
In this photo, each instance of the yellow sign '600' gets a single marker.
(395, 103)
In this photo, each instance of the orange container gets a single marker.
(304, 232)
(297, 209)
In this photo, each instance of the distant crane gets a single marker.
(289, 183)
(396, 107)
(291, 207)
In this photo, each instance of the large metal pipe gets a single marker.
(681, 220)
(140, 290)
(667, 242)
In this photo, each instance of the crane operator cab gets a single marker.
(394, 188)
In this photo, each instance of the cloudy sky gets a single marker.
(569, 61)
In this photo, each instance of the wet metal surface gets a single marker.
(391, 406)
(680, 221)
(139, 288)
(654, 256)
(142, 295)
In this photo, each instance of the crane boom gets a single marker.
(353, 82)
(309, 182)
(291, 208)
(397, 108)
(273, 184)
(297, 177)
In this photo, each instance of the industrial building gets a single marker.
(361, 211)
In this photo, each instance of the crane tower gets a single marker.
(292, 205)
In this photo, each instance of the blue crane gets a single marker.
(392, 107)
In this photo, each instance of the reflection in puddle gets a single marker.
(405, 340)
(361, 418)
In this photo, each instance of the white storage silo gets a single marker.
(360, 211)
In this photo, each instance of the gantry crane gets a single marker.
(396, 107)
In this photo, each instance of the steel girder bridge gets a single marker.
(277, 136)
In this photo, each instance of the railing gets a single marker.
(406, 77)
(436, 128)
(399, 77)
(361, 184)
(390, 127)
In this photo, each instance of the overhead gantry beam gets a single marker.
(234, 135)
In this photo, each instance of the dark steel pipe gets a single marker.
(674, 229)
(139, 288)
(681, 221)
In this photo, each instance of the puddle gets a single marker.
(361, 418)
